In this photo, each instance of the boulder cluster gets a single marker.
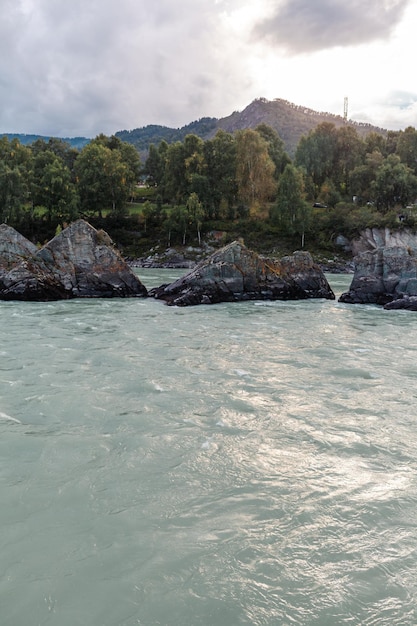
(81, 262)
(235, 273)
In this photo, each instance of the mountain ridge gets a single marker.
(289, 120)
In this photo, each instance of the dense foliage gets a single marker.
(242, 183)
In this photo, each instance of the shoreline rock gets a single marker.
(80, 262)
(235, 273)
(386, 276)
(172, 259)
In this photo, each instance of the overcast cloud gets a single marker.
(90, 66)
(300, 26)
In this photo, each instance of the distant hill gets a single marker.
(75, 142)
(141, 138)
(291, 122)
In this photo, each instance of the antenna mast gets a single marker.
(345, 109)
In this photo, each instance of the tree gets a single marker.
(220, 158)
(317, 153)
(12, 192)
(349, 152)
(62, 149)
(15, 176)
(196, 213)
(52, 187)
(395, 184)
(291, 211)
(106, 173)
(276, 148)
(361, 179)
(90, 168)
(154, 167)
(375, 141)
(175, 183)
(254, 169)
(407, 148)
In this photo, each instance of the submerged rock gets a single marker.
(384, 276)
(235, 273)
(80, 262)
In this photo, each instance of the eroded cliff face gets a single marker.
(373, 238)
(385, 269)
(236, 273)
(80, 262)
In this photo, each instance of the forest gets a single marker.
(241, 184)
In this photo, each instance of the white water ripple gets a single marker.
(249, 463)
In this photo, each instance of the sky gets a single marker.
(84, 67)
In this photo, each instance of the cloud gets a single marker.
(85, 67)
(302, 26)
(100, 66)
(396, 111)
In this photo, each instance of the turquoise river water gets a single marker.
(251, 463)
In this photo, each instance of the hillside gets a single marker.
(74, 142)
(289, 120)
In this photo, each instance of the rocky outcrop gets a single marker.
(235, 273)
(372, 239)
(13, 247)
(80, 262)
(384, 276)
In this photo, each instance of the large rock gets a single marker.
(372, 239)
(80, 262)
(383, 276)
(235, 273)
(13, 247)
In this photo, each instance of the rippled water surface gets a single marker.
(250, 463)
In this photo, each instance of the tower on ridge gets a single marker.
(345, 109)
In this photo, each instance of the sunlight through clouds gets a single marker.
(79, 68)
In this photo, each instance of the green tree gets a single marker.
(375, 141)
(105, 176)
(317, 154)
(15, 177)
(196, 213)
(362, 178)
(90, 168)
(407, 148)
(52, 187)
(349, 154)
(154, 167)
(175, 182)
(220, 159)
(394, 185)
(291, 211)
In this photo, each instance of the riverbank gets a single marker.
(187, 258)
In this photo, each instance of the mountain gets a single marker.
(290, 121)
(75, 142)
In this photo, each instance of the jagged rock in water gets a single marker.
(384, 276)
(80, 262)
(235, 273)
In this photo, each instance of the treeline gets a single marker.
(337, 183)
(49, 183)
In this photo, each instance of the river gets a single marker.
(243, 463)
